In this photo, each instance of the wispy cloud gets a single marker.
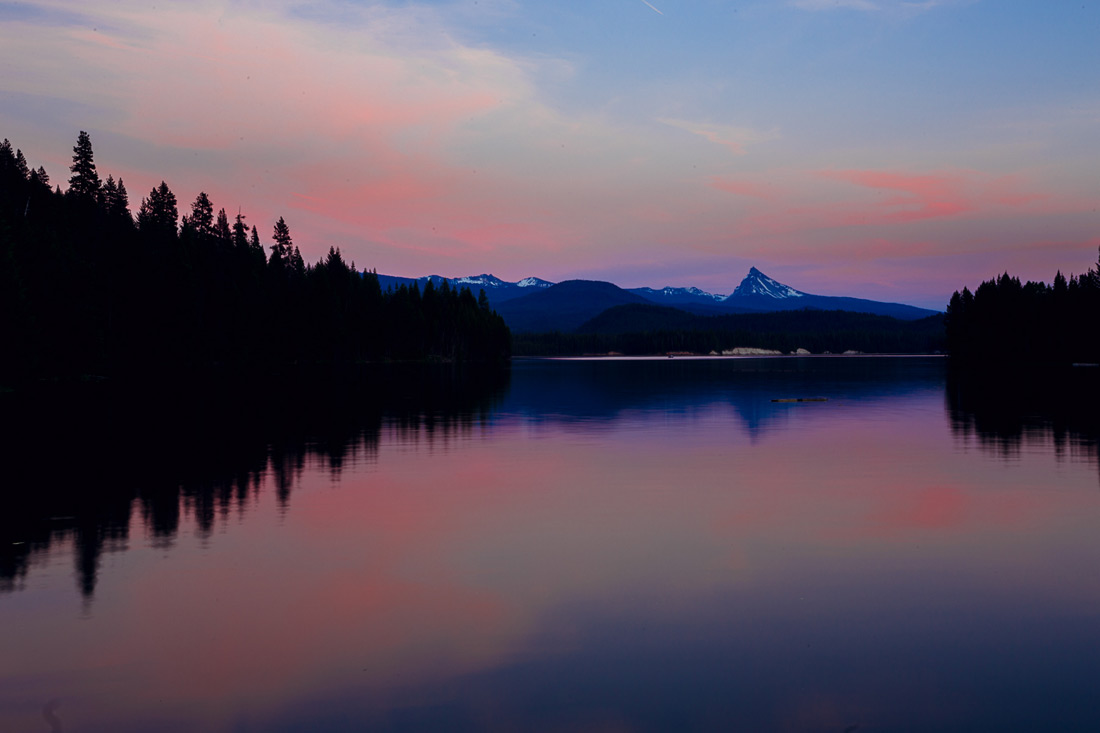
(731, 137)
(942, 194)
(887, 201)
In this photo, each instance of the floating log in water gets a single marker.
(802, 399)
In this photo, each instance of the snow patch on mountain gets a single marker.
(533, 282)
(672, 292)
(484, 280)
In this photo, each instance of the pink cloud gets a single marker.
(889, 199)
(919, 197)
(751, 189)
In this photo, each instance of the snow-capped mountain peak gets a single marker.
(533, 282)
(757, 283)
(701, 293)
(484, 280)
(671, 292)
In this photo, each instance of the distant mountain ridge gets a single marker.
(758, 292)
(670, 295)
(565, 306)
(497, 290)
(533, 304)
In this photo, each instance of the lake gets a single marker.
(589, 545)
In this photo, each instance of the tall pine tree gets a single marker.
(202, 216)
(222, 234)
(240, 233)
(281, 251)
(159, 214)
(84, 183)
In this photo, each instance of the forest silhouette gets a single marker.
(636, 330)
(1030, 323)
(87, 288)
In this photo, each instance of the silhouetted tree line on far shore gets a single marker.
(1033, 323)
(813, 330)
(88, 288)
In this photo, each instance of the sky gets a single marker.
(887, 149)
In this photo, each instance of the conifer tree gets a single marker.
(297, 264)
(283, 242)
(202, 216)
(84, 183)
(221, 230)
(158, 213)
(335, 261)
(7, 157)
(282, 250)
(21, 165)
(116, 202)
(240, 233)
(7, 166)
(1061, 287)
(108, 193)
(121, 208)
(256, 250)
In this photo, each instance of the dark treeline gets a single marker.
(88, 288)
(1027, 323)
(81, 460)
(786, 331)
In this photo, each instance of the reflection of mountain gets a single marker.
(81, 461)
(602, 389)
(1007, 412)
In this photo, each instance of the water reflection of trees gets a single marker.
(83, 463)
(1007, 412)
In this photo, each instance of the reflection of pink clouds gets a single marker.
(936, 507)
(825, 499)
(948, 508)
(350, 609)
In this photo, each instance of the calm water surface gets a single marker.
(574, 545)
